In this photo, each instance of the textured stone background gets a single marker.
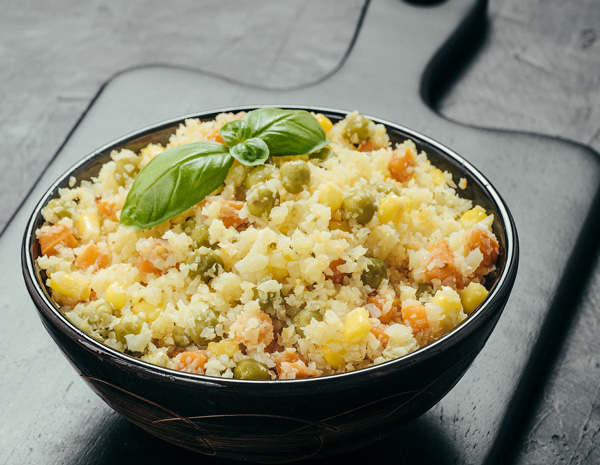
(538, 69)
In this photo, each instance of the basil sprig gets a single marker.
(180, 177)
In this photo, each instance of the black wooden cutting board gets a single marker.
(400, 54)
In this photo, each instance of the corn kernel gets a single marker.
(472, 296)
(325, 122)
(341, 225)
(474, 215)
(438, 177)
(150, 312)
(449, 301)
(332, 196)
(356, 325)
(72, 285)
(391, 208)
(333, 353)
(226, 347)
(88, 226)
(116, 296)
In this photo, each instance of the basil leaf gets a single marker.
(251, 152)
(174, 181)
(235, 132)
(287, 132)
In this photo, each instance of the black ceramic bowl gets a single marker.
(274, 421)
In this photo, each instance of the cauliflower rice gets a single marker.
(305, 291)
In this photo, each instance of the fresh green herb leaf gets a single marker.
(287, 132)
(174, 181)
(251, 152)
(235, 132)
(181, 177)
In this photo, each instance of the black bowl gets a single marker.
(274, 421)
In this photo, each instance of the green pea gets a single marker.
(359, 205)
(261, 200)
(188, 226)
(295, 176)
(180, 337)
(268, 300)
(209, 264)
(208, 319)
(424, 288)
(200, 236)
(251, 369)
(358, 128)
(260, 174)
(387, 188)
(375, 272)
(321, 155)
(303, 318)
(126, 168)
(61, 208)
(129, 324)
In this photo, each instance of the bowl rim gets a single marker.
(48, 310)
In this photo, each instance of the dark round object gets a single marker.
(275, 421)
(375, 272)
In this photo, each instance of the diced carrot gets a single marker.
(416, 317)
(386, 315)
(92, 256)
(56, 235)
(146, 266)
(229, 213)
(402, 166)
(483, 240)
(192, 361)
(379, 332)
(251, 329)
(215, 136)
(368, 146)
(107, 206)
(289, 366)
(337, 276)
(147, 261)
(287, 357)
(441, 265)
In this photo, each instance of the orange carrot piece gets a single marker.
(379, 332)
(442, 267)
(402, 167)
(92, 256)
(416, 317)
(389, 315)
(229, 213)
(368, 146)
(289, 366)
(58, 234)
(481, 239)
(146, 266)
(192, 361)
(107, 207)
(337, 277)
